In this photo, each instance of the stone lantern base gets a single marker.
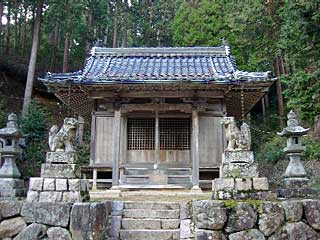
(11, 188)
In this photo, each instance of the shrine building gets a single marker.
(156, 112)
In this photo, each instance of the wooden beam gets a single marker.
(195, 150)
(161, 94)
(116, 148)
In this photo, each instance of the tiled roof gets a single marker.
(157, 65)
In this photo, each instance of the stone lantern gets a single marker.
(11, 185)
(295, 175)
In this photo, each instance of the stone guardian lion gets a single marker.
(237, 139)
(62, 140)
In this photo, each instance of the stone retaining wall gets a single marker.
(292, 219)
(200, 219)
(22, 220)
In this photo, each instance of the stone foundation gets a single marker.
(241, 189)
(198, 220)
(53, 221)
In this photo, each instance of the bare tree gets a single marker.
(33, 60)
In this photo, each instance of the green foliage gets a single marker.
(34, 123)
(3, 114)
(312, 151)
(272, 150)
(34, 127)
(83, 151)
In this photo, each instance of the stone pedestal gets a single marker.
(241, 188)
(59, 181)
(239, 178)
(238, 164)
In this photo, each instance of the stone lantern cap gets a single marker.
(11, 129)
(293, 129)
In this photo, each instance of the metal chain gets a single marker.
(242, 103)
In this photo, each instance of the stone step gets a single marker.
(152, 205)
(151, 214)
(132, 223)
(149, 234)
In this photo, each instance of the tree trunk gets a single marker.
(33, 60)
(66, 53)
(16, 39)
(115, 27)
(279, 92)
(1, 14)
(125, 25)
(8, 30)
(89, 26)
(24, 31)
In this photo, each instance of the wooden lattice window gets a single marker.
(141, 133)
(174, 133)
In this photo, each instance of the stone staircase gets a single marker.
(144, 220)
(141, 176)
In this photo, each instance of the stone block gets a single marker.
(271, 217)
(55, 233)
(208, 214)
(61, 184)
(49, 170)
(50, 196)
(60, 157)
(33, 196)
(49, 184)
(260, 184)
(170, 223)
(185, 228)
(117, 208)
(223, 184)
(11, 187)
(78, 185)
(243, 184)
(222, 195)
(208, 234)
(99, 213)
(55, 214)
(238, 156)
(241, 217)
(239, 170)
(312, 213)
(11, 227)
(35, 184)
(72, 196)
(32, 232)
(128, 223)
(185, 210)
(296, 230)
(10, 208)
(293, 210)
(80, 221)
(115, 226)
(247, 235)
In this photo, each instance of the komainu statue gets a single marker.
(237, 139)
(62, 140)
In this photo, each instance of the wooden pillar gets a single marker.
(195, 150)
(116, 148)
(94, 178)
(157, 139)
